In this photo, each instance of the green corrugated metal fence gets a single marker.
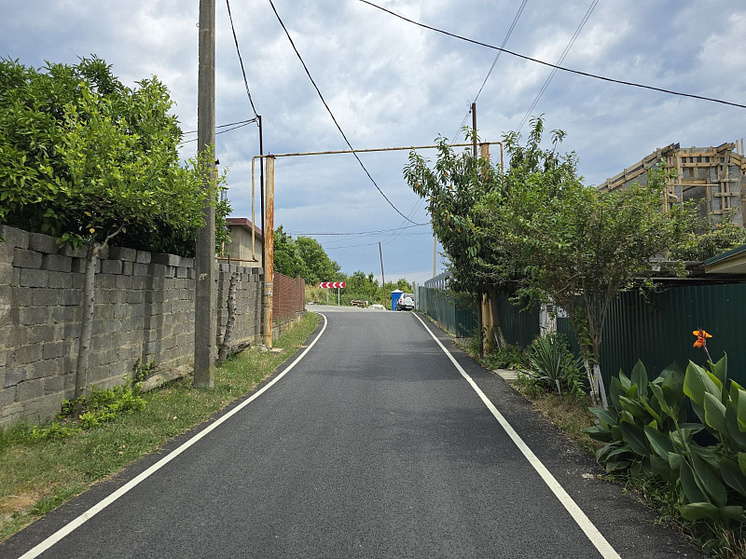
(657, 329)
(519, 326)
(446, 309)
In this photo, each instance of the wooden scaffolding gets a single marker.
(712, 177)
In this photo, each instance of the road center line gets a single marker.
(590, 530)
(101, 505)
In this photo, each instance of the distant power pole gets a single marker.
(383, 278)
(205, 344)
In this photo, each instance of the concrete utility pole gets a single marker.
(480, 294)
(205, 344)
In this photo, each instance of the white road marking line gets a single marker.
(590, 530)
(101, 505)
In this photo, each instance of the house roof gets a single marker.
(730, 262)
(243, 222)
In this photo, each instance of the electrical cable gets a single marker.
(249, 121)
(246, 123)
(544, 63)
(328, 109)
(497, 57)
(358, 233)
(569, 45)
(240, 59)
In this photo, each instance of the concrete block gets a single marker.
(26, 258)
(42, 333)
(42, 408)
(8, 274)
(140, 283)
(34, 277)
(187, 262)
(191, 273)
(117, 296)
(13, 237)
(29, 389)
(123, 282)
(111, 266)
(104, 282)
(127, 268)
(43, 243)
(70, 297)
(182, 272)
(54, 350)
(78, 265)
(143, 257)
(139, 269)
(122, 311)
(123, 254)
(166, 259)
(45, 368)
(45, 297)
(77, 281)
(57, 263)
(14, 375)
(63, 280)
(64, 314)
(24, 355)
(34, 315)
(68, 250)
(53, 385)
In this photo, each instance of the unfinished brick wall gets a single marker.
(144, 310)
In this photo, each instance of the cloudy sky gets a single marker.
(390, 83)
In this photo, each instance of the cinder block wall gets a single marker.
(144, 310)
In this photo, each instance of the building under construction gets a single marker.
(712, 177)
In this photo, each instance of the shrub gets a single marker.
(552, 366)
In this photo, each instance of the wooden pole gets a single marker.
(269, 252)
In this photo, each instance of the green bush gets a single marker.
(552, 366)
(506, 357)
(647, 434)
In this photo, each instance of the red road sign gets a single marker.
(332, 284)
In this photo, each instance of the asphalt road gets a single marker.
(374, 444)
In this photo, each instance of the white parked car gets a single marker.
(405, 302)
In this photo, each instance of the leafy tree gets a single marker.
(303, 257)
(38, 111)
(320, 267)
(453, 186)
(287, 259)
(87, 160)
(574, 245)
(704, 239)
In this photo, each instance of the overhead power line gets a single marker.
(544, 63)
(234, 126)
(358, 233)
(249, 121)
(494, 62)
(569, 45)
(240, 59)
(328, 109)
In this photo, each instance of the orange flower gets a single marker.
(701, 337)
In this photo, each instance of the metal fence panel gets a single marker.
(446, 309)
(657, 329)
(519, 327)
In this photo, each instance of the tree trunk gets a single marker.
(600, 388)
(86, 319)
(480, 324)
(225, 346)
(591, 381)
